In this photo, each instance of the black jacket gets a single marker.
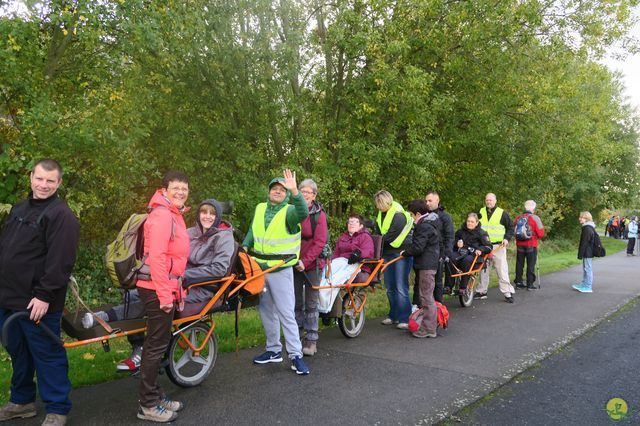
(36, 259)
(446, 231)
(476, 239)
(425, 246)
(505, 221)
(585, 250)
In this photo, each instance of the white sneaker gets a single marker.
(157, 414)
(402, 326)
(386, 321)
(88, 321)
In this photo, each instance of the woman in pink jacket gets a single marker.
(166, 247)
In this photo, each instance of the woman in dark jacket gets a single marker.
(425, 249)
(471, 241)
(585, 252)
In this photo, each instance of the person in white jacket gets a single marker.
(633, 235)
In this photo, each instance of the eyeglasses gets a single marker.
(307, 192)
(178, 189)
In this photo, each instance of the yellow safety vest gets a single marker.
(384, 226)
(275, 239)
(493, 226)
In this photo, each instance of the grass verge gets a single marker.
(89, 364)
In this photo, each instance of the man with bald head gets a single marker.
(498, 225)
(445, 229)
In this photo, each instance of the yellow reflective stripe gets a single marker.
(493, 226)
(405, 231)
(275, 239)
(279, 241)
(384, 226)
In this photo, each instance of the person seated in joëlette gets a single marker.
(471, 241)
(355, 244)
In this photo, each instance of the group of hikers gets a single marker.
(621, 227)
(39, 240)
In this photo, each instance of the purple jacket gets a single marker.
(347, 244)
(312, 245)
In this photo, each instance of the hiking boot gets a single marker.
(157, 414)
(131, 364)
(53, 419)
(309, 348)
(388, 321)
(17, 411)
(531, 287)
(519, 285)
(171, 405)
(298, 365)
(422, 333)
(402, 325)
(480, 296)
(268, 357)
(89, 321)
(508, 299)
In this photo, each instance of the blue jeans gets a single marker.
(33, 352)
(396, 280)
(587, 272)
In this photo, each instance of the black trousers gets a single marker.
(631, 245)
(530, 255)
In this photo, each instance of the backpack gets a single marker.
(20, 209)
(598, 248)
(124, 254)
(326, 250)
(246, 267)
(124, 259)
(442, 318)
(523, 229)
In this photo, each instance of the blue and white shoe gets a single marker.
(582, 288)
(298, 365)
(268, 357)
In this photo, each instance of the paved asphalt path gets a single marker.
(385, 376)
(573, 386)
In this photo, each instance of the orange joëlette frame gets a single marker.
(379, 268)
(472, 271)
(225, 283)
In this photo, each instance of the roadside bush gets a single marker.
(95, 287)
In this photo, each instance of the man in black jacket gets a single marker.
(446, 233)
(38, 246)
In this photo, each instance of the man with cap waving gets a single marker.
(275, 230)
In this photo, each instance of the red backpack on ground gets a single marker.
(442, 314)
